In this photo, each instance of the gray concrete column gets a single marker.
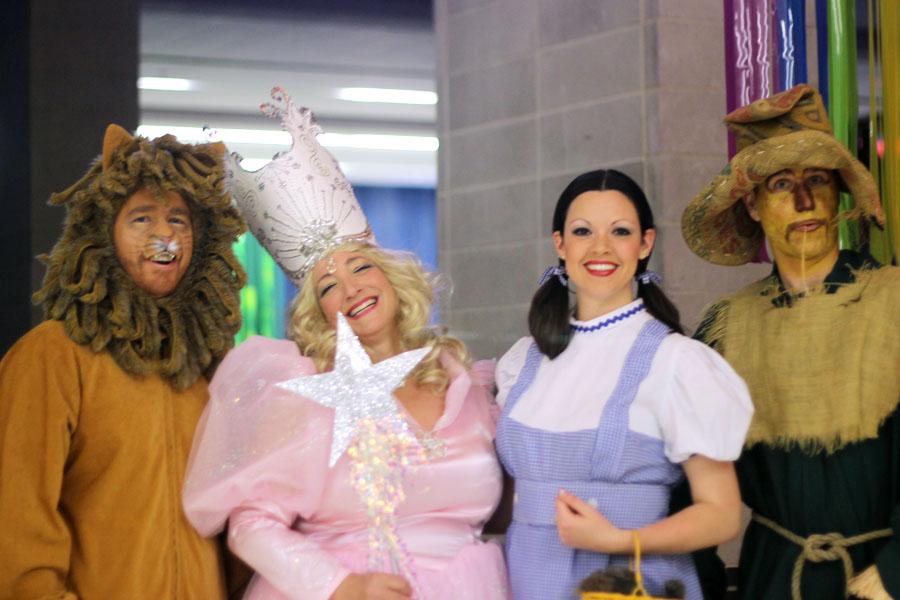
(534, 92)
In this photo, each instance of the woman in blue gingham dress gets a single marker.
(605, 412)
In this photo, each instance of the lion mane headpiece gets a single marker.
(180, 336)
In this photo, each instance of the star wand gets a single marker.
(369, 427)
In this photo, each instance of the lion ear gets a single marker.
(115, 137)
(219, 149)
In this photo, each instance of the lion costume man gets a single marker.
(98, 403)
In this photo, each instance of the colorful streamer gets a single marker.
(879, 244)
(748, 60)
(843, 108)
(822, 47)
(790, 33)
(889, 30)
(758, 32)
(748, 56)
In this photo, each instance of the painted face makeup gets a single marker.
(351, 283)
(797, 209)
(154, 241)
(601, 246)
(162, 251)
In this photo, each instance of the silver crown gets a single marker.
(300, 206)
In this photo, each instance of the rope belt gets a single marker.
(821, 547)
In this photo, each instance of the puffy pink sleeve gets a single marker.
(260, 533)
(483, 374)
(260, 462)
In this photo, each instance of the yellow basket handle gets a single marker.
(638, 591)
(638, 580)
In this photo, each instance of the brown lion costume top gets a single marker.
(180, 336)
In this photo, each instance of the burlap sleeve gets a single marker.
(888, 558)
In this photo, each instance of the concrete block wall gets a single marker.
(534, 92)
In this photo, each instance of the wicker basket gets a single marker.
(637, 592)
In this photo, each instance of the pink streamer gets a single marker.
(749, 60)
(748, 53)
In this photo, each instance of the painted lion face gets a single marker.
(144, 268)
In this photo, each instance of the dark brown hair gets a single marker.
(548, 318)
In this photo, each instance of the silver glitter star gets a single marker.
(356, 389)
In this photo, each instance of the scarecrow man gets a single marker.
(818, 343)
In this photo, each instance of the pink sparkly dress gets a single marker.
(260, 462)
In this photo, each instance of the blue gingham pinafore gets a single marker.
(625, 474)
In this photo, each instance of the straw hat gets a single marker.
(787, 130)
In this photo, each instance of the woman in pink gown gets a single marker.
(260, 461)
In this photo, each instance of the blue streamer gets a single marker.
(822, 47)
(790, 33)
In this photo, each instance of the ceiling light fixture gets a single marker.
(391, 96)
(194, 135)
(366, 141)
(166, 84)
(371, 141)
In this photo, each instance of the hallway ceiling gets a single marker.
(236, 50)
(234, 55)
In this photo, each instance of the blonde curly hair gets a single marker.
(415, 288)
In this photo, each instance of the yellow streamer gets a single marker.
(889, 28)
(879, 245)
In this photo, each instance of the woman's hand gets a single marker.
(372, 586)
(581, 526)
(714, 517)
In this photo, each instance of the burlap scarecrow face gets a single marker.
(797, 209)
(154, 240)
(787, 131)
